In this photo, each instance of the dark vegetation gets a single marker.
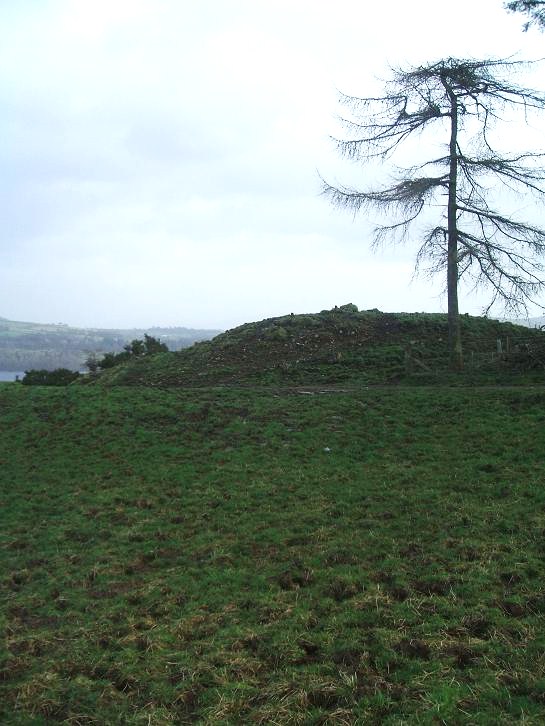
(58, 377)
(136, 348)
(25, 346)
(533, 9)
(63, 377)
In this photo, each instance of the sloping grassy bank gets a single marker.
(343, 345)
(227, 556)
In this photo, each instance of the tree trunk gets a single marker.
(454, 331)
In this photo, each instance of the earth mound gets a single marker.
(333, 346)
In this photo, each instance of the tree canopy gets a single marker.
(533, 9)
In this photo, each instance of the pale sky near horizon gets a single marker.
(160, 158)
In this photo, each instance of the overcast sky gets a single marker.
(159, 158)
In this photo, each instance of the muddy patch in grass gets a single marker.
(413, 648)
(295, 578)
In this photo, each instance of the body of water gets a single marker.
(10, 375)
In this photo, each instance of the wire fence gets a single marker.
(518, 352)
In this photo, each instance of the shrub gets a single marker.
(153, 345)
(113, 359)
(58, 377)
(91, 363)
(135, 348)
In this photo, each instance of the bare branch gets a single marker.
(471, 239)
(535, 9)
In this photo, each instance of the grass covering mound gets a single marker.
(233, 556)
(341, 345)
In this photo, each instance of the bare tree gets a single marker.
(534, 9)
(462, 99)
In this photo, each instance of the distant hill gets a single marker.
(538, 322)
(26, 345)
(342, 344)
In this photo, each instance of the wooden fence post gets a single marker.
(408, 362)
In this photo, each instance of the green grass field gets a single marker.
(291, 556)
